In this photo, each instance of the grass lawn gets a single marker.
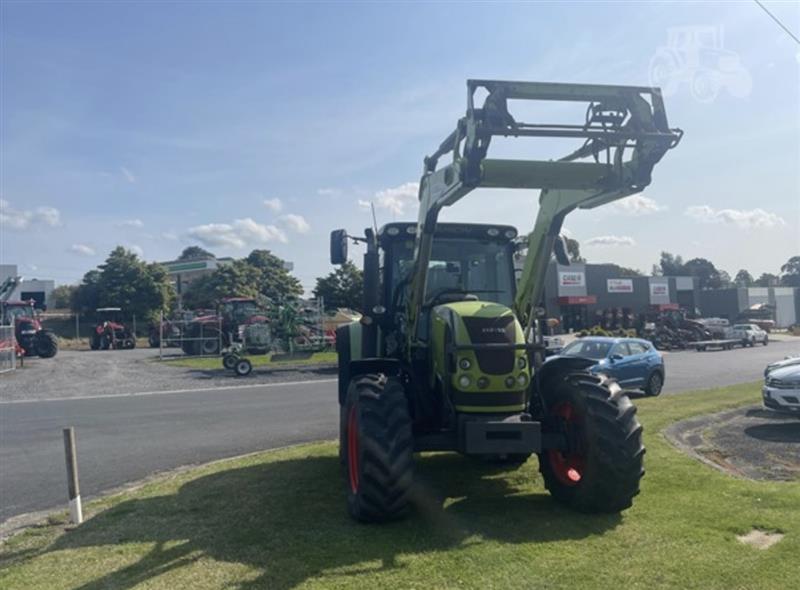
(261, 360)
(277, 520)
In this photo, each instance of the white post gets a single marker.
(161, 335)
(75, 508)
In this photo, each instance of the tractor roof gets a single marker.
(109, 309)
(238, 299)
(17, 303)
(407, 231)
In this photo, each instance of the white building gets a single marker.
(37, 289)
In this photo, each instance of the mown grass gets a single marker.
(262, 360)
(277, 520)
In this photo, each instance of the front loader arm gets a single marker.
(620, 121)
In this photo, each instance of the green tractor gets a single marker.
(448, 355)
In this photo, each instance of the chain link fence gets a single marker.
(8, 349)
(188, 337)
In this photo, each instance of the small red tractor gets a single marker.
(110, 332)
(237, 320)
(28, 331)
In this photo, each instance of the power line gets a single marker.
(780, 24)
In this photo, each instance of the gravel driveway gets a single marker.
(77, 373)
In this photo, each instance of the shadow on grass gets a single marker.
(288, 520)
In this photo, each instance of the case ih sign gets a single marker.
(572, 279)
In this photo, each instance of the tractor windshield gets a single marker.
(460, 266)
(18, 311)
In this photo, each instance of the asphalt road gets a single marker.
(123, 438)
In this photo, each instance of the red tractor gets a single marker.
(28, 331)
(238, 319)
(110, 332)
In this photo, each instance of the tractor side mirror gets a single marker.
(560, 250)
(338, 246)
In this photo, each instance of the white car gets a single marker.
(781, 391)
(749, 334)
(787, 362)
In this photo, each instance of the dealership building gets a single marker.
(579, 293)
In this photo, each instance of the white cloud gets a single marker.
(396, 199)
(127, 174)
(136, 249)
(170, 235)
(637, 205)
(82, 250)
(296, 223)
(610, 241)
(131, 223)
(240, 233)
(743, 218)
(273, 204)
(11, 218)
(328, 192)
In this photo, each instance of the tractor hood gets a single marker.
(483, 322)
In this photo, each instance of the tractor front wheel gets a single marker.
(379, 448)
(46, 345)
(600, 470)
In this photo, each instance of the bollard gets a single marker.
(75, 509)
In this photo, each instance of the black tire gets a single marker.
(129, 343)
(654, 385)
(243, 368)
(209, 346)
(380, 446)
(154, 341)
(46, 345)
(766, 340)
(229, 361)
(601, 473)
(94, 342)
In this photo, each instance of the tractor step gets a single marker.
(511, 435)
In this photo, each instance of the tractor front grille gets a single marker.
(500, 330)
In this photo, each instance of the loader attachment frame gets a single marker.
(625, 134)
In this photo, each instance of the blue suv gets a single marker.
(631, 362)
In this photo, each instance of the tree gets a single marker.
(341, 288)
(574, 250)
(125, 281)
(275, 281)
(237, 279)
(195, 253)
(708, 275)
(724, 279)
(624, 271)
(743, 279)
(791, 272)
(767, 280)
(671, 266)
(260, 274)
(61, 297)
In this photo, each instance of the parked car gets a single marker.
(787, 362)
(781, 391)
(634, 363)
(749, 334)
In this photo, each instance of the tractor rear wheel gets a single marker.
(379, 448)
(601, 469)
(46, 345)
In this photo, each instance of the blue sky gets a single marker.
(242, 125)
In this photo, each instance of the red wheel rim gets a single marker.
(352, 448)
(568, 466)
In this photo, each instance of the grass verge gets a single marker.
(263, 360)
(277, 520)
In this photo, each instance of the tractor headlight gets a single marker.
(483, 382)
(464, 364)
(522, 380)
(510, 381)
(521, 362)
(464, 381)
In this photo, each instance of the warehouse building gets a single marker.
(38, 290)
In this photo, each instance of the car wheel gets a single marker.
(655, 383)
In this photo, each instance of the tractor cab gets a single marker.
(14, 311)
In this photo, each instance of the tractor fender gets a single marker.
(560, 366)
